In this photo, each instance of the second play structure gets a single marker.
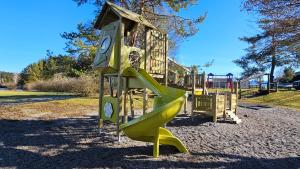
(130, 67)
(219, 105)
(220, 81)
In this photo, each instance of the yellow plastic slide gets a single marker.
(149, 127)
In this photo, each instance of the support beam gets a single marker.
(120, 78)
(145, 100)
(225, 105)
(203, 83)
(147, 51)
(193, 92)
(111, 89)
(268, 84)
(131, 104)
(239, 89)
(119, 105)
(166, 59)
(185, 105)
(125, 110)
(214, 107)
(101, 93)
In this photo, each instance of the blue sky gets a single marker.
(28, 28)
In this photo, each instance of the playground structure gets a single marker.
(217, 105)
(133, 68)
(264, 87)
(220, 81)
(212, 81)
(129, 66)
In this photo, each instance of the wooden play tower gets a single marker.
(117, 50)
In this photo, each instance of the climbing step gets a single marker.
(233, 117)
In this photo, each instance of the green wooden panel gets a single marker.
(109, 101)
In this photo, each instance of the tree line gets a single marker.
(277, 44)
(6, 77)
(65, 65)
(81, 45)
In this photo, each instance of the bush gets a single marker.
(84, 85)
(11, 86)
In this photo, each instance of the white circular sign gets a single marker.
(108, 110)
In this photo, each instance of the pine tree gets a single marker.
(278, 44)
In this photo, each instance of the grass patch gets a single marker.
(29, 93)
(283, 98)
(27, 104)
(49, 105)
(10, 96)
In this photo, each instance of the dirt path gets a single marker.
(267, 138)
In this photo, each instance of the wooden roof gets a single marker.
(112, 12)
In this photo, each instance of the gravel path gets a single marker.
(267, 138)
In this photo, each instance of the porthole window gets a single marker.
(105, 43)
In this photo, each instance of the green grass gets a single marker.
(9, 96)
(25, 104)
(28, 93)
(283, 98)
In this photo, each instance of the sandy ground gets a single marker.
(267, 138)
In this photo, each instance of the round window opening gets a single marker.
(105, 43)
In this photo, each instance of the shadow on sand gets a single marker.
(75, 143)
(187, 120)
(254, 106)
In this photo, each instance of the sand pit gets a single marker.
(267, 138)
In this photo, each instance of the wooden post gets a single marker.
(147, 50)
(125, 117)
(101, 93)
(203, 83)
(269, 84)
(230, 102)
(277, 86)
(111, 89)
(120, 78)
(225, 105)
(239, 89)
(238, 94)
(119, 105)
(185, 105)
(193, 93)
(214, 107)
(131, 104)
(166, 60)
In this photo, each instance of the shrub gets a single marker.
(11, 86)
(84, 85)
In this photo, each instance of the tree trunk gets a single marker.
(273, 63)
